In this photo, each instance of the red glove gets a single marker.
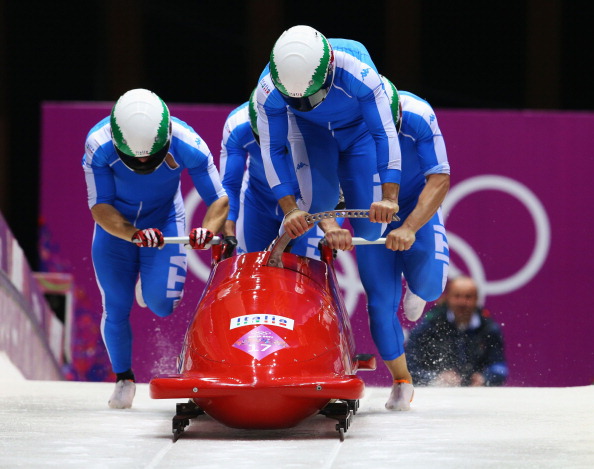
(149, 238)
(200, 237)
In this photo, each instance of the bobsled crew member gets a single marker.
(255, 216)
(418, 244)
(326, 98)
(133, 163)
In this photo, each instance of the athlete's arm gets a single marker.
(274, 127)
(336, 236)
(375, 107)
(112, 221)
(430, 199)
(215, 216)
(229, 229)
(294, 221)
(233, 160)
(383, 210)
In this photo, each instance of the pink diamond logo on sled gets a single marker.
(260, 342)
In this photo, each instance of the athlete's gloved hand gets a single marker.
(200, 237)
(149, 238)
(229, 245)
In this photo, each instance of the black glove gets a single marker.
(229, 245)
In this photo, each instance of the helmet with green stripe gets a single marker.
(302, 67)
(252, 110)
(141, 130)
(392, 93)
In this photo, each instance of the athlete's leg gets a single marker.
(315, 156)
(360, 183)
(307, 244)
(116, 268)
(163, 272)
(380, 271)
(240, 232)
(426, 262)
(258, 223)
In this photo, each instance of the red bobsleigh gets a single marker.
(270, 345)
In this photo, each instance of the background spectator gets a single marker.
(457, 343)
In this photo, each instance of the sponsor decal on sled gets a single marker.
(260, 342)
(257, 319)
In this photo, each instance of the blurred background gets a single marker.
(522, 54)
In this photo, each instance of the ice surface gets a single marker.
(7, 369)
(69, 425)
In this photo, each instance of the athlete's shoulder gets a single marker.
(351, 55)
(100, 130)
(237, 117)
(355, 72)
(185, 139)
(416, 110)
(98, 140)
(412, 102)
(266, 94)
(237, 126)
(350, 46)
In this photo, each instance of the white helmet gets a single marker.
(392, 93)
(141, 127)
(302, 67)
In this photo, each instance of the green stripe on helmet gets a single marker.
(163, 130)
(252, 112)
(274, 75)
(125, 126)
(392, 93)
(118, 136)
(319, 76)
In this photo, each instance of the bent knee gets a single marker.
(427, 291)
(163, 308)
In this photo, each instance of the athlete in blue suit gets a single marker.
(254, 214)
(327, 99)
(417, 243)
(133, 163)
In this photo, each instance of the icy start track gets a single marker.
(68, 425)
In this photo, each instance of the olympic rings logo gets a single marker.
(347, 272)
(468, 254)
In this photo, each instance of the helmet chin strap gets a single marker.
(148, 167)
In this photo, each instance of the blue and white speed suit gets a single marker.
(425, 264)
(350, 138)
(252, 204)
(147, 201)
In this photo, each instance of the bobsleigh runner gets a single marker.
(270, 343)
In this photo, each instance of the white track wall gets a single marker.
(30, 333)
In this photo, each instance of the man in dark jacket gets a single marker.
(457, 344)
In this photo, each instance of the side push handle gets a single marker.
(186, 240)
(279, 245)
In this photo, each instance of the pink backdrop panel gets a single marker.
(517, 216)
